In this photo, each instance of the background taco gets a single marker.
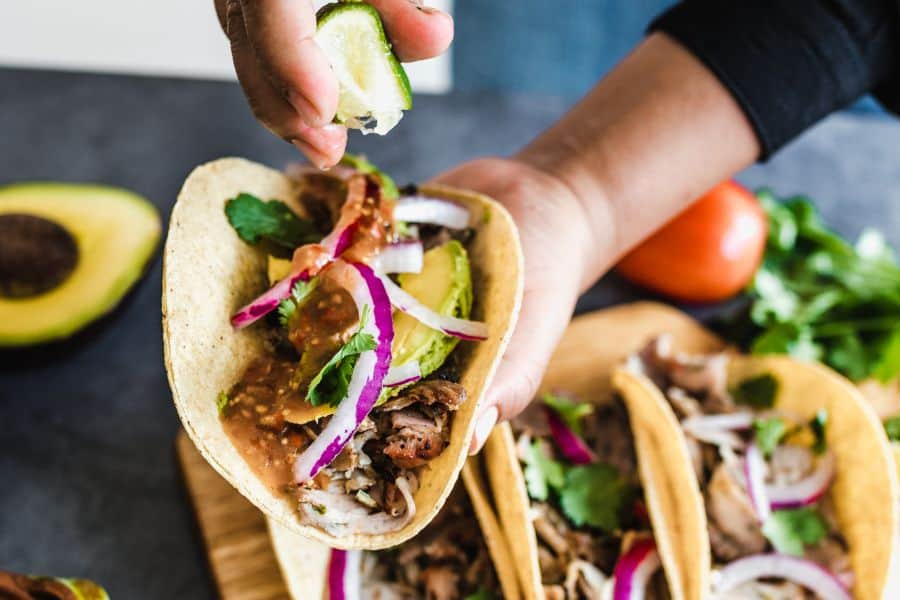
(209, 272)
(787, 464)
(461, 554)
(582, 367)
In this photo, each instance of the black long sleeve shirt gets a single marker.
(789, 63)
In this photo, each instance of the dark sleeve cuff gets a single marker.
(789, 63)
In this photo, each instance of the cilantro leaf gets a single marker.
(768, 432)
(818, 297)
(255, 220)
(362, 164)
(299, 293)
(222, 403)
(758, 392)
(790, 531)
(892, 428)
(819, 425)
(542, 472)
(568, 410)
(482, 594)
(331, 383)
(595, 495)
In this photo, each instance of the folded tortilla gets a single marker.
(865, 490)
(304, 562)
(582, 365)
(208, 272)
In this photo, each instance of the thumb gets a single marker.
(542, 321)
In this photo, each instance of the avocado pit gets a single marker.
(36, 255)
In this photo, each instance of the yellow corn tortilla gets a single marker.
(582, 365)
(304, 562)
(865, 489)
(208, 272)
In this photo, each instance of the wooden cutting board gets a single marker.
(234, 532)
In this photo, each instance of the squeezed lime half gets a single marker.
(374, 89)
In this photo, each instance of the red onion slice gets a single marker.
(803, 572)
(755, 475)
(402, 257)
(268, 302)
(368, 374)
(461, 328)
(434, 211)
(344, 574)
(806, 491)
(402, 374)
(634, 570)
(569, 443)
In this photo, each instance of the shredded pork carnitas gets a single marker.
(577, 563)
(448, 561)
(697, 385)
(369, 487)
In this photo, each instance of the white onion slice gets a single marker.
(806, 491)
(730, 422)
(344, 574)
(634, 570)
(717, 437)
(461, 328)
(402, 257)
(803, 572)
(368, 374)
(402, 374)
(755, 475)
(434, 211)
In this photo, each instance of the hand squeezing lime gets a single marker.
(374, 89)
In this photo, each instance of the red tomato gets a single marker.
(707, 253)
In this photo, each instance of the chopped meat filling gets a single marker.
(447, 561)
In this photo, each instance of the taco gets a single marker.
(460, 555)
(364, 327)
(787, 464)
(575, 505)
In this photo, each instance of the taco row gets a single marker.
(365, 324)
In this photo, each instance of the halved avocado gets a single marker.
(68, 254)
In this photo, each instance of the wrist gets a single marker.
(592, 223)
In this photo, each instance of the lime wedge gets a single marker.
(374, 90)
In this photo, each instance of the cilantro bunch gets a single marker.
(818, 297)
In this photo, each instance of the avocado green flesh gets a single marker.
(444, 286)
(116, 232)
(85, 589)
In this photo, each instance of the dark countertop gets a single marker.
(88, 479)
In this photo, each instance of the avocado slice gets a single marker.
(445, 286)
(89, 244)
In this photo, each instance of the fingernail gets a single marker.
(428, 10)
(483, 428)
(315, 157)
(307, 111)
